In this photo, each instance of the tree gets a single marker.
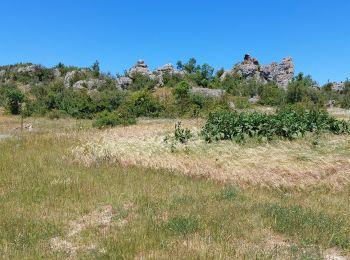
(14, 99)
(96, 69)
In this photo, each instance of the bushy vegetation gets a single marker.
(110, 119)
(286, 123)
(46, 94)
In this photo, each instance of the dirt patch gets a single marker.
(334, 254)
(101, 218)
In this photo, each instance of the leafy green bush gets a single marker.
(182, 134)
(182, 90)
(110, 119)
(14, 98)
(143, 103)
(286, 123)
(271, 95)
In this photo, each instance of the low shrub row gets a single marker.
(286, 123)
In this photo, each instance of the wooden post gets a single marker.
(21, 123)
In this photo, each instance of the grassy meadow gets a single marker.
(70, 191)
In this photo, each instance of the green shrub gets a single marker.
(142, 82)
(271, 95)
(182, 90)
(286, 123)
(143, 103)
(14, 98)
(110, 119)
(182, 134)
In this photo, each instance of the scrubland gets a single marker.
(130, 192)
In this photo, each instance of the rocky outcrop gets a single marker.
(338, 87)
(281, 73)
(139, 68)
(124, 82)
(56, 73)
(68, 78)
(167, 69)
(2, 73)
(29, 68)
(90, 84)
(207, 92)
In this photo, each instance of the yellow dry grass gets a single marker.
(280, 164)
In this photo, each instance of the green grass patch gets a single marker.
(182, 225)
(309, 226)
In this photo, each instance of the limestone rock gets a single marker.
(139, 68)
(56, 73)
(338, 87)
(90, 84)
(254, 100)
(207, 92)
(2, 73)
(29, 68)
(68, 77)
(282, 73)
(167, 69)
(124, 82)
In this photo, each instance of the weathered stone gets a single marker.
(68, 77)
(254, 100)
(2, 73)
(90, 84)
(338, 87)
(29, 68)
(124, 82)
(139, 68)
(56, 73)
(167, 69)
(281, 73)
(207, 92)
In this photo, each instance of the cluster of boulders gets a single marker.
(281, 73)
(140, 68)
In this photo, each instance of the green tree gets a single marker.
(96, 69)
(14, 99)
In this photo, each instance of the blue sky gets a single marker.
(117, 33)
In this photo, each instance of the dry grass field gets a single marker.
(70, 191)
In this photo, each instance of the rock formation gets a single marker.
(90, 84)
(250, 68)
(338, 87)
(29, 68)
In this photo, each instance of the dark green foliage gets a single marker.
(182, 90)
(143, 103)
(142, 82)
(14, 98)
(110, 119)
(182, 225)
(286, 123)
(96, 69)
(271, 95)
(182, 134)
(309, 226)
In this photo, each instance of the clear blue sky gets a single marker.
(117, 33)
